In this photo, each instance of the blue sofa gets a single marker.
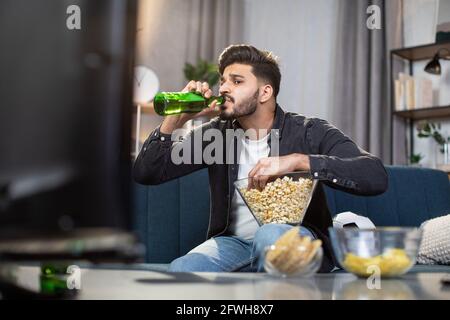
(172, 218)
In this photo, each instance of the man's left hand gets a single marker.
(266, 168)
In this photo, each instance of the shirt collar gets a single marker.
(278, 122)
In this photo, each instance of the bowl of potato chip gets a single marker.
(387, 252)
(278, 199)
(293, 255)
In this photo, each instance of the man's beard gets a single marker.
(245, 108)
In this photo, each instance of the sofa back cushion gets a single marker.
(173, 217)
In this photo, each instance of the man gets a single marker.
(250, 82)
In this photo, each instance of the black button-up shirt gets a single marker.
(334, 159)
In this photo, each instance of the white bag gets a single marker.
(435, 245)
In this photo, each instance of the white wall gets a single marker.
(420, 19)
(444, 11)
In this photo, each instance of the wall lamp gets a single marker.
(434, 66)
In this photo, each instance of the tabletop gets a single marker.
(107, 283)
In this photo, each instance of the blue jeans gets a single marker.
(230, 253)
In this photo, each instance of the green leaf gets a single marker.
(438, 137)
(202, 71)
(416, 158)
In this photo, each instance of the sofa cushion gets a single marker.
(172, 218)
(413, 196)
(157, 220)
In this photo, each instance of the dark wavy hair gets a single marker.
(264, 63)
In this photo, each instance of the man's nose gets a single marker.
(224, 88)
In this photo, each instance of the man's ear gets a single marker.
(265, 93)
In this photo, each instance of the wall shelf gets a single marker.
(424, 113)
(421, 52)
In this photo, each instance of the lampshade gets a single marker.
(434, 66)
(146, 84)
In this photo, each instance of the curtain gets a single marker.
(361, 104)
(395, 39)
(213, 25)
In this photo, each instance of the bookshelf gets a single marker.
(411, 55)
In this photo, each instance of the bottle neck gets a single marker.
(219, 99)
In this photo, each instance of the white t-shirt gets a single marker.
(242, 222)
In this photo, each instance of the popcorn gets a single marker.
(281, 201)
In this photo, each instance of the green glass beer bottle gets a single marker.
(53, 279)
(171, 103)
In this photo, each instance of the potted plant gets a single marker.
(432, 130)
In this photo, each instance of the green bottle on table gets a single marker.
(171, 103)
(53, 279)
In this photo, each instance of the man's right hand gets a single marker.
(173, 122)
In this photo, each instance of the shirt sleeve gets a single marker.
(155, 163)
(337, 160)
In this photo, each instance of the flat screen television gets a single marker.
(65, 127)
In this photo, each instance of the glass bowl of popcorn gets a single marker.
(280, 199)
(385, 252)
(293, 255)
